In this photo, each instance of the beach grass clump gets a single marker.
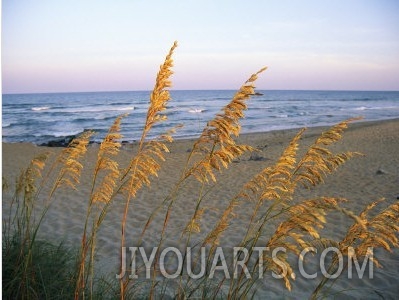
(32, 268)
(48, 274)
(277, 218)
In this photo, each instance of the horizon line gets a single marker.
(171, 90)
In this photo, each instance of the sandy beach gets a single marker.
(361, 181)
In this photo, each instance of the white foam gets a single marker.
(361, 108)
(195, 110)
(40, 108)
(124, 108)
(375, 107)
(58, 134)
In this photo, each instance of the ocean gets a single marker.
(41, 118)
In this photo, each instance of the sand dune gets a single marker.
(361, 180)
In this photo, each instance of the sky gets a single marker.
(98, 45)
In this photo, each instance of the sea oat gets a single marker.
(70, 165)
(319, 161)
(216, 140)
(109, 148)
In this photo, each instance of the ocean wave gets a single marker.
(124, 108)
(94, 109)
(119, 103)
(259, 107)
(196, 110)
(385, 107)
(58, 134)
(40, 108)
(103, 118)
(366, 99)
(94, 118)
(374, 107)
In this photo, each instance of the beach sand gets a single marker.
(361, 181)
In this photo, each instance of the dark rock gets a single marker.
(65, 140)
(61, 142)
(381, 172)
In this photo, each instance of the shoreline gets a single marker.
(314, 130)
